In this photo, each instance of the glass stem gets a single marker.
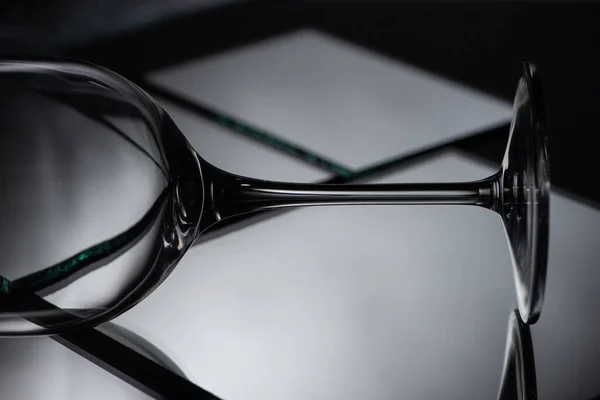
(241, 195)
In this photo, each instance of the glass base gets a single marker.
(524, 188)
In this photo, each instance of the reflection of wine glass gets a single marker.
(518, 374)
(100, 176)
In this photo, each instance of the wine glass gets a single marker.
(104, 195)
(518, 373)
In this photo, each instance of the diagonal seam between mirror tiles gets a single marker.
(240, 154)
(243, 128)
(332, 98)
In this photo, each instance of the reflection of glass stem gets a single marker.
(518, 374)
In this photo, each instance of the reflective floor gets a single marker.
(377, 302)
